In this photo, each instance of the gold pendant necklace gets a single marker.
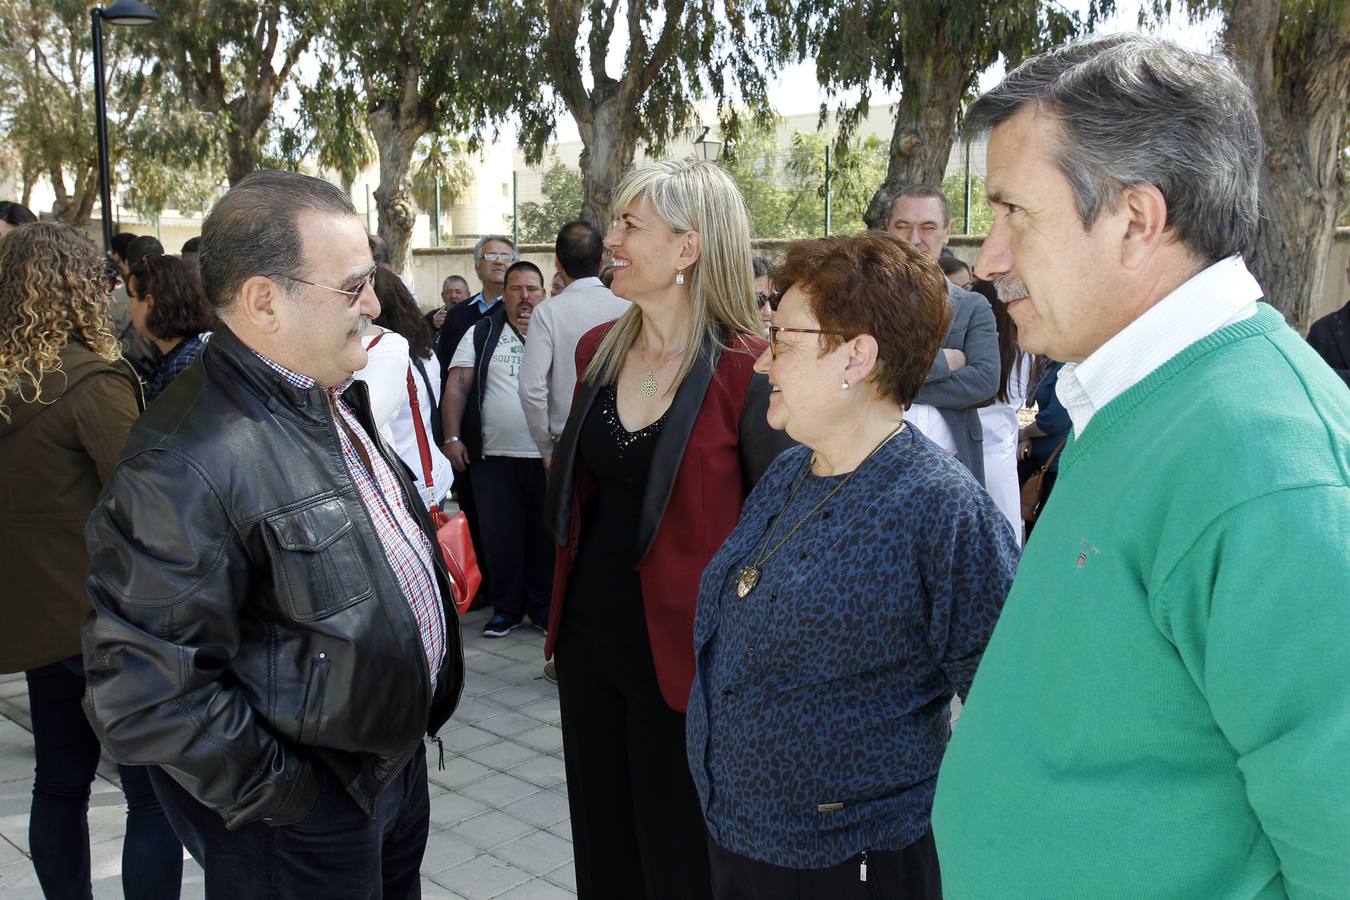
(748, 578)
(650, 385)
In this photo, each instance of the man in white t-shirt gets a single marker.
(485, 429)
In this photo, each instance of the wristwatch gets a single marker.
(452, 439)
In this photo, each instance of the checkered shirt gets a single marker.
(405, 543)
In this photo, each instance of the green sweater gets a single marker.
(1164, 708)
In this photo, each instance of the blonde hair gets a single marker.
(52, 291)
(691, 195)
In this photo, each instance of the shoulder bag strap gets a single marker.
(423, 448)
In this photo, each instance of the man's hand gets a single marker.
(458, 454)
(547, 461)
(955, 358)
(438, 318)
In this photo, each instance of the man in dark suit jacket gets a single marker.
(964, 376)
(492, 256)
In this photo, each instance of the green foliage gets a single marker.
(541, 222)
(47, 106)
(441, 162)
(894, 43)
(678, 53)
(981, 213)
(784, 186)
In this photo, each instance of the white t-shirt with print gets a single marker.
(505, 432)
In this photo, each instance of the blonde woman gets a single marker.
(666, 437)
(67, 401)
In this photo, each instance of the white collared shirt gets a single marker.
(1219, 295)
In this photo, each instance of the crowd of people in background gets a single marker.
(774, 517)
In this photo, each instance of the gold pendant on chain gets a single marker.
(649, 385)
(746, 581)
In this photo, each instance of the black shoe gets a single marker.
(499, 626)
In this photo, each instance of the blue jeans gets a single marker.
(58, 828)
(336, 852)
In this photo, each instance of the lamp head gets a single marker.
(129, 12)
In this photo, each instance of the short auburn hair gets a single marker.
(872, 283)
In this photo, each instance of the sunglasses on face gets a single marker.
(772, 299)
(499, 257)
(353, 295)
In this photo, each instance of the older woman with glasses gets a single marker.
(851, 602)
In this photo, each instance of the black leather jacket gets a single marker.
(247, 625)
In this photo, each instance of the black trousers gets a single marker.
(509, 494)
(637, 830)
(910, 873)
(336, 852)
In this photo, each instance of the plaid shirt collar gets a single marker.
(303, 382)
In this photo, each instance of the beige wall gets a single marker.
(432, 265)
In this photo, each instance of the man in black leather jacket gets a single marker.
(271, 626)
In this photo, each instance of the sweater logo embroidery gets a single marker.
(1084, 550)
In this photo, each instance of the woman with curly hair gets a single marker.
(167, 308)
(67, 401)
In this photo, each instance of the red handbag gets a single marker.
(452, 532)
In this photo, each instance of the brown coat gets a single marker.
(55, 455)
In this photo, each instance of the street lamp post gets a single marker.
(708, 149)
(121, 12)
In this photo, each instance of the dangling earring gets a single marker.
(679, 276)
(845, 385)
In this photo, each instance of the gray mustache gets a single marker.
(1010, 289)
(361, 325)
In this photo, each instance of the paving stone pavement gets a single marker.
(499, 823)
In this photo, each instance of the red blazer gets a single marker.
(714, 446)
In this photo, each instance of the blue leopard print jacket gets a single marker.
(819, 712)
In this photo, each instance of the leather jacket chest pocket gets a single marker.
(317, 565)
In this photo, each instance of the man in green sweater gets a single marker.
(1164, 708)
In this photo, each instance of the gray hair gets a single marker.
(254, 230)
(921, 192)
(484, 241)
(1142, 110)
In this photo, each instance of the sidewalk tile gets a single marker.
(507, 724)
(499, 790)
(482, 877)
(453, 808)
(564, 876)
(538, 889)
(459, 771)
(542, 810)
(537, 853)
(545, 771)
(547, 738)
(445, 850)
(491, 829)
(502, 755)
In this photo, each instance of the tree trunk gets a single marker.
(925, 126)
(241, 155)
(609, 143)
(1300, 83)
(396, 131)
(75, 208)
